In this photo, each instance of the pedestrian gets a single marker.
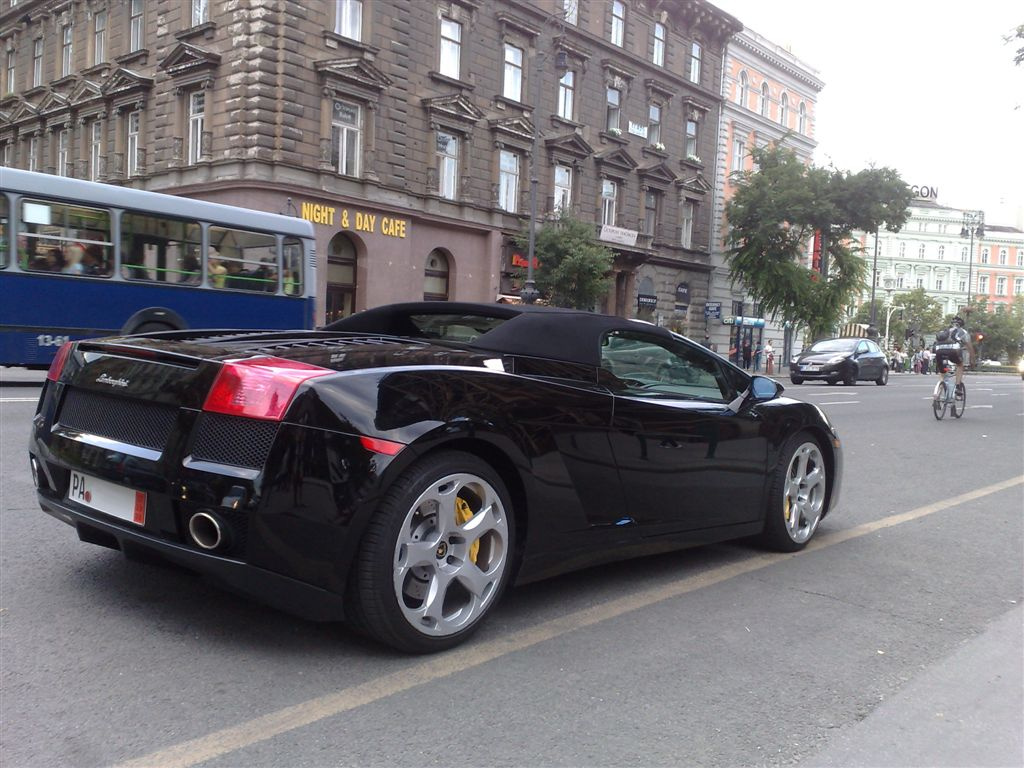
(748, 353)
(769, 358)
(757, 356)
(926, 362)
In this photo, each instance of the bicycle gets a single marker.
(947, 395)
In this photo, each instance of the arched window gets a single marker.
(802, 124)
(743, 92)
(435, 277)
(764, 99)
(784, 111)
(341, 277)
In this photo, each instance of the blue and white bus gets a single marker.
(79, 259)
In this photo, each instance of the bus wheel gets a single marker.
(150, 327)
(154, 319)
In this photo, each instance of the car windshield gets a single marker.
(834, 345)
(454, 327)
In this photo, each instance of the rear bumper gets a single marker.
(273, 589)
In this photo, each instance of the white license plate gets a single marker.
(116, 500)
(812, 367)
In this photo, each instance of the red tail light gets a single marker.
(59, 360)
(260, 388)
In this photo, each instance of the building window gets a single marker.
(135, 24)
(1020, 256)
(63, 149)
(435, 277)
(447, 165)
(983, 284)
(348, 19)
(614, 109)
(571, 11)
(618, 22)
(743, 92)
(942, 253)
(691, 140)
(695, 57)
(920, 251)
(567, 95)
(900, 281)
(33, 153)
(763, 103)
(95, 149)
(658, 55)
(984, 255)
(802, 119)
(508, 181)
(963, 254)
(1002, 256)
(920, 282)
(938, 284)
(10, 72)
(686, 224)
(451, 48)
(563, 188)
(196, 119)
(739, 151)
(609, 195)
(784, 111)
(346, 137)
(99, 37)
(1018, 286)
(652, 200)
(903, 250)
(200, 12)
(66, 53)
(654, 124)
(1000, 286)
(513, 76)
(37, 62)
(132, 126)
(962, 286)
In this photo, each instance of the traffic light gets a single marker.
(908, 334)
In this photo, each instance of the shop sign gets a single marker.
(683, 294)
(618, 235)
(637, 129)
(749, 322)
(646, 301)
(712, 309)
(353, 219)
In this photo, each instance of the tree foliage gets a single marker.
(574, 269)
(1003, 331)
(775, 213)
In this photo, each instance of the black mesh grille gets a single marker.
(233, 440)
(135, 422)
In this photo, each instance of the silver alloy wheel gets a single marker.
(804, 492)
(450, 555)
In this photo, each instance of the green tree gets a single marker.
(921, 315)
(776, 211)
(573, 269)
(1002, 331)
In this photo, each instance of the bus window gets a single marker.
(249, 258)
(293, 266)
(160, 249)
(4, 231)
(56, 237)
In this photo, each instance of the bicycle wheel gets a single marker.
(959, 401)
(939, 400)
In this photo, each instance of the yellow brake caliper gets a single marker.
(463, 514)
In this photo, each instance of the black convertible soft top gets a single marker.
(520, 329)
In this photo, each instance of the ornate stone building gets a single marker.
(405, 131)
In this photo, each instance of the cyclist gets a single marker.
(953, 344)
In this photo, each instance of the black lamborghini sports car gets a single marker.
(401, 466)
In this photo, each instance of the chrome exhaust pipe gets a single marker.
(205, 530)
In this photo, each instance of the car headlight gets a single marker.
(1020, 365)
(837, 359)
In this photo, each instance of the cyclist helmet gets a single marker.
(958, 321)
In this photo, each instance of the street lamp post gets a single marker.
(974, 224)
(874, 279)
(529, 293)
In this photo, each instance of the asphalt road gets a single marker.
(894, 640)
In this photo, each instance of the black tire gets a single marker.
(796, 379)
(149, 327)
(416, 542)
(850, 379)
(883, 379)
(799, 487)
(832, 382)
(959, 403)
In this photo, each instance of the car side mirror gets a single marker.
(763, 388)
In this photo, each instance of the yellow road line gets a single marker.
(273, 724)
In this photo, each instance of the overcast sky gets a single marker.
(927, 88)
